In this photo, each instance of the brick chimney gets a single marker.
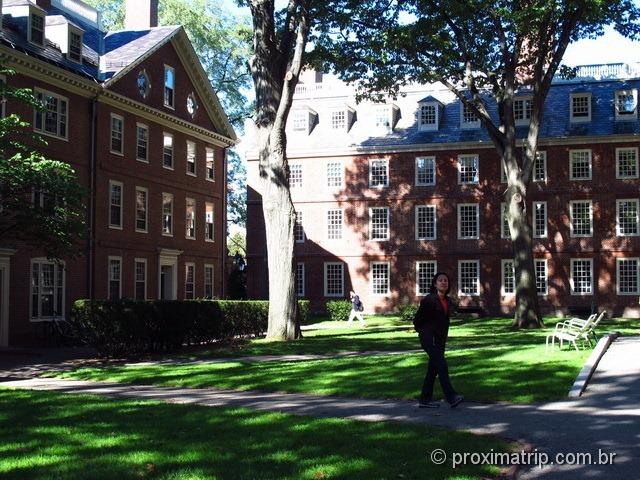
(44, 4)
(140, 14)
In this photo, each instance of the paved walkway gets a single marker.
(604, 421)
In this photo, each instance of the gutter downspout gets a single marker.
(223, 252)
(92, 199)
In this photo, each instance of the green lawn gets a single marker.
(488, 362)
(47, 436)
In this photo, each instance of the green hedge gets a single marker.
(339, 310)
(129, 327)
(407, 312)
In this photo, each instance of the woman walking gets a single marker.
(432, 324)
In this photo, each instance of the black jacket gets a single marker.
(431, 317)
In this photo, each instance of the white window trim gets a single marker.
(146, 210)
(380, 107)
(523, 98)
(503, 262)
(428, 158)
(304, 285)
(571, 177)
(574, 235)
(580, 119)
(346, 126)
(42, 131)
(42, 15)
(386, 162)
(135, 276)
(542, 155)
(618, 262)
(298, 221)
(388, 225)
(109, 259)
(435, 221)
(460, 294)
(618, 150)
(618, 201)
(173, 154)
(164, 72)
(111, 150)
(210, 240)
(467, 125)
(428, 127)
(341, 167)
(208, 150)
(173, 226)
(333, 295)
(623, 117)
(61, 264)
(78, 32)
(204, 280)
(571, 282)
(417, 268)
(476, 158)
(195, 159)
(111, 183)
(186, 267)
(546, 270)
(195, 216)
(546, 220)
(143, 126)
(459, 207)
(371, 284)
(341, 223)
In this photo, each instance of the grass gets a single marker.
(47, 436)
(487, 361)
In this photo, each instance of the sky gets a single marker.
(610, 48)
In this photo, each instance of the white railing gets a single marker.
(608, 70)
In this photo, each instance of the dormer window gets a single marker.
(626, 104)
(429, 113)
(75, 46)
(302, 120)
(36, 28)
(342, 118)
(385, 116)
(522, 110)
(468, 118)
(580, 107)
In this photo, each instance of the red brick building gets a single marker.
(389, 193)
(135, 115)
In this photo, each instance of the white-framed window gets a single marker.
(339, 119)
(522, 109)
(191, 158)
(580, 164)
(300, 120)
(115, 204)
(425, 221)
(334, 174)
(539, 219)
(53, 119)
(378, 173)
(140, 272)
(167, 151)
(425, 270)
(117, 134)
(208, 222)
(542, 283)
(300, 280)
(628, 276)
(379, 278)
(142, 142)
(189, 281)
(428, 116)
(115, 278)
(581, 279)
(468, 118)
(626, 163)
(142, 207)
(468, 221)
(190, 218)
(379, 223)
(36, 28)
(210, 158)
(508, 277)
(333, 279)
(47, 289)
(334, 224)
(167, 214)
(504, 221)
(425, 171)
(208, 280)
(627, 217)
(75, 46)
(581, 218)
(540, 167)
(295, 175)
(169, 86)
(626, 104)
(382, 117)
(468, 169)
(468, 277)
(580, 107)
(298, 229)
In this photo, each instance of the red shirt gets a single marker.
(445, 305)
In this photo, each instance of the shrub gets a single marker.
(407, 312)
(339, 310)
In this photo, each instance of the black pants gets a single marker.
(434, 346)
